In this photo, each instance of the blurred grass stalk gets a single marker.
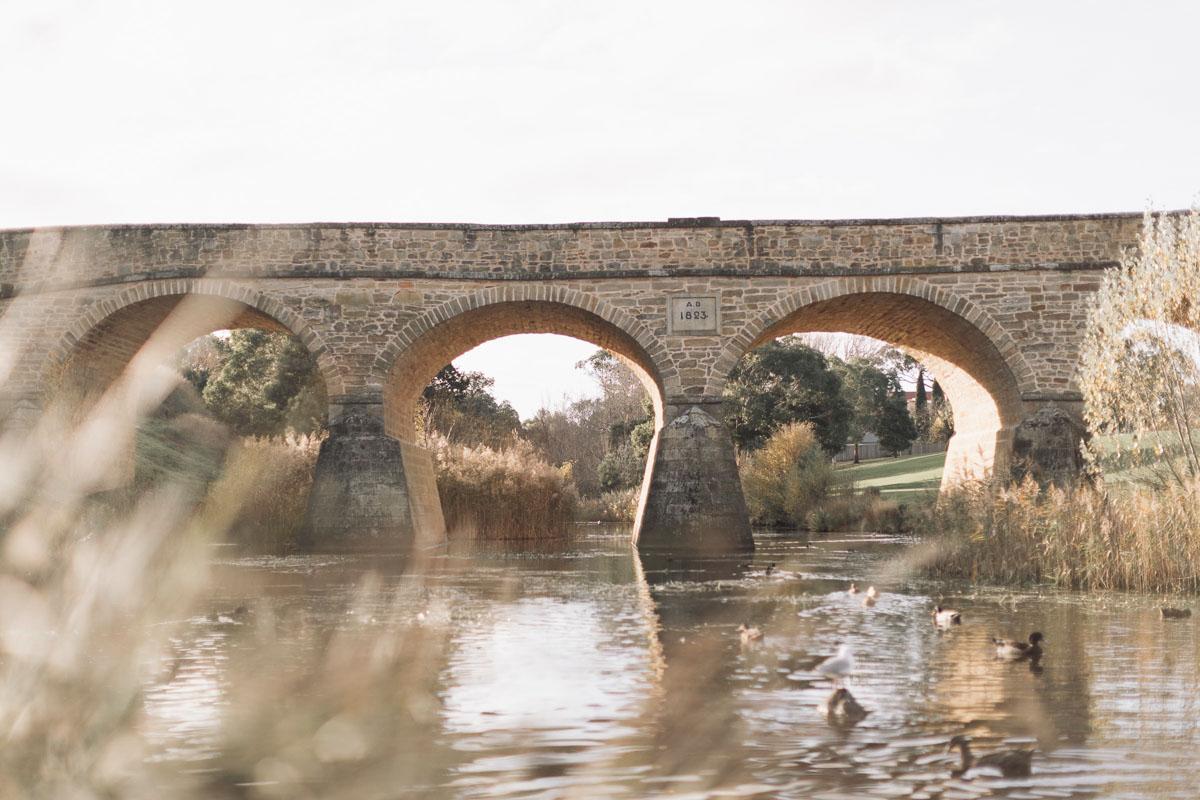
(102, 567)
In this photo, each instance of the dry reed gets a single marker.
(618, 506)
(1098, 538)
(504, 494)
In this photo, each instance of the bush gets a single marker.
(788, 477)
(503, 494)
(618, 506)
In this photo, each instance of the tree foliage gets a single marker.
(868, 389)
(605, 438)
(460, 406)
(782, 382)
(894, 425)
(258, 383)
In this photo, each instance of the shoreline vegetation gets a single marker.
(790, 483)
(1096, 538)
(1133, 522)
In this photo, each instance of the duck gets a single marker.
(842, 707)
(1013, 649)
(770, 570)
(870, 597)
(234, 617)
(837, 666)
(1175, 613)
(853, 589)
(749, 633)
(945, 617)
(1011, 763)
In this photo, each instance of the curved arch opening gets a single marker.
(979, 384)
(145, 334)
(421, 361)
(140, 420)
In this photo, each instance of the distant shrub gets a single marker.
(504, 494)
(618, 506)
(788, 477)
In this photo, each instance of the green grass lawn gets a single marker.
(902, 478)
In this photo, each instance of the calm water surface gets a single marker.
(582, 671)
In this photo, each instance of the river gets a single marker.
(578, 670)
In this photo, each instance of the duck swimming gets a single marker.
(945, 617)
(749, 633)
(1013, 649)
(842, 708)
(1010, 763)
(853, 589)
(1175, 613)
(870, 597)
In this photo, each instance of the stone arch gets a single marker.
(973, 358)
(113, 329)
(426, 344)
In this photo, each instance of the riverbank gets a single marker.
(1120, 537)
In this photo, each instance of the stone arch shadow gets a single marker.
(428, 343)
(107, 372)
(977, 363)
(111, 332)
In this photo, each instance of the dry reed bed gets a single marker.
(1096, 538)
(503, 494)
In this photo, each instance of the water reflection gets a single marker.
(585, 671)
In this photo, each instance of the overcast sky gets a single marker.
(292, 111)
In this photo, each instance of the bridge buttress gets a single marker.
(370, 490)
(692, 499)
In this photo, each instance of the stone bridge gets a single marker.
(994, 306)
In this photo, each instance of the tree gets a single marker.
(786, 381)
(1140, 362)
(941, 416)
(867, 389)
(259, 383)
(894, 425)
(460, 406)
(605, 438)
(921, 407)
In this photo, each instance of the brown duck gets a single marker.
(1013, 649)
(1011, 763)
(843, 708)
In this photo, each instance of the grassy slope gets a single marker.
(899, 478)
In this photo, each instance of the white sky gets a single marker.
(293, 111)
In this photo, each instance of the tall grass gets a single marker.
(503, 494)
(1085, 537)
(263, 490)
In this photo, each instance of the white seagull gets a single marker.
(839, 666)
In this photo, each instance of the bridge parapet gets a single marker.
(54, 258)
